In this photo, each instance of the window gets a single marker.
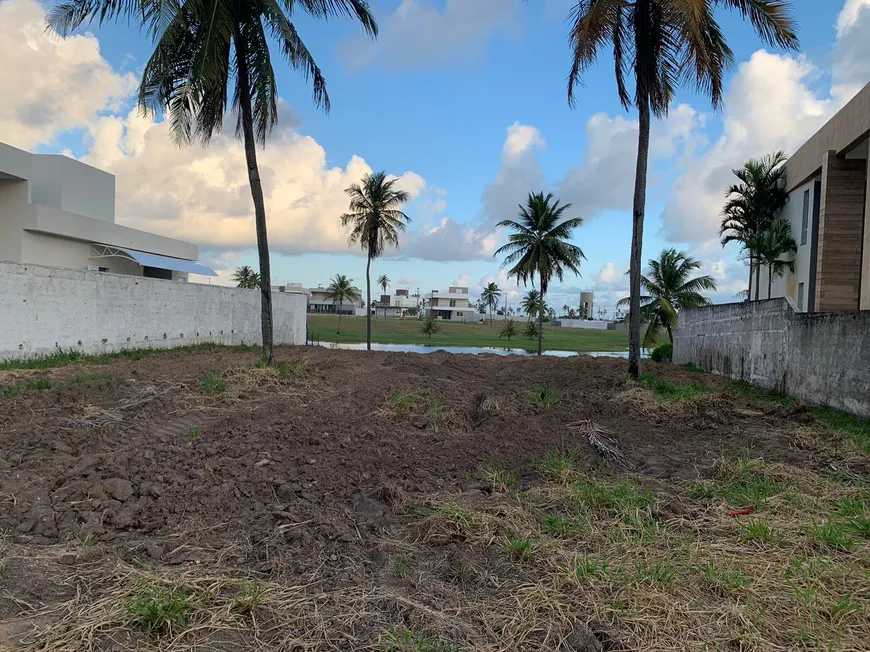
(452, 303)
(459, 314)
(805, 218)
(801, 297)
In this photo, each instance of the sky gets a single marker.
(465, 102)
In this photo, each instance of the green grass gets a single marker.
(832, 535)
(157, 609)
(64, 357)
(519, 549)
(407, 331)
(558, 526)
(758, 531)
(658, 573)
(500, 480)
(673, 392)
(27, 386)
(253, 596)
(543, 397)
(192, 433)
(558, 465)
(748, 390)
(400, 639)
(212, 383)
(855, 428)
(586, 567)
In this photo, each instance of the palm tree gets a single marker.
(532, 304)
(771, 246)
(509, 330)
(339, 290)
(490, 297)
(565, 309)
(539, 245)
(245, 277)
(751, 206)
(430, 326)
(657, 44)
(203, 48)
(384, 282)
(669, 289)
(376, 220)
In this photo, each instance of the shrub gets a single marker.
(662, 353)
(531, 330)
(509, 330)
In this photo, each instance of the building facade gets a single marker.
(59, 212)
(829, 211)
(451, 305)
(396, 305)
(320, 304)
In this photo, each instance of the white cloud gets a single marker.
(611, 276)
(791, 113)
(50, 85)
(419, 34)
(519, 173)
(851, 69)
(202, 195)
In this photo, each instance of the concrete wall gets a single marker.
(818, 358)
(45, 308)
(582, 323)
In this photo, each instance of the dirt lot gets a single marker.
(388, 501)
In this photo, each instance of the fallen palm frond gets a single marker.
(96, 417)
(602, 438)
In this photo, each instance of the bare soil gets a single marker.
(314, 477)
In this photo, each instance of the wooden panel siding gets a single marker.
(841, 231)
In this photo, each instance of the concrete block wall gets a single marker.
(42, 308)
(820, 358)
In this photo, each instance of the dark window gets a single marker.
(800, 296)
(157, 272)
(805, 218)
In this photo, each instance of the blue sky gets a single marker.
(465, 101)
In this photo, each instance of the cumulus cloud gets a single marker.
(419, 34)
(611, 276)
(605, 178)
(51, 85)
(851, 69)
(202, 195)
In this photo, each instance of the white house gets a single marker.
(829, 212)
(60, 212)
(451, 305)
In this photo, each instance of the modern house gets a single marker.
(829, 211)
(396, 305)
(60, 212)
(451, 305)
(318, 302)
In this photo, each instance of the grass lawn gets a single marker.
(407, 331)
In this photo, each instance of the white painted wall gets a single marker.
(787, 286)
(92, 312)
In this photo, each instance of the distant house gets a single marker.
(318, 302)
(829, 211)
(396, 305)
(451, 305)
(60, 212)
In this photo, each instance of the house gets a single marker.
(829, 211)
(319, 303)
(396, 305)
(60, 212)
(451, 305)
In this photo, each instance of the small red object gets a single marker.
(742, 512)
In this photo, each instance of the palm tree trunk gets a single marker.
(751, 270)
(541, 326)
(769, 279)
(257, 195)
(369, 304)
(670, 334)
(637, 236)
(757, 277)
(338, 332)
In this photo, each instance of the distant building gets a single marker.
(587, 305)
(318, 302)
(829, 211)
(451, 305)
(396, 305)
(60, 212)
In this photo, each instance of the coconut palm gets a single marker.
(491, 296)
(770, 248)
(509, 330)
(669, 288)
(384, 282)
(430, 326)
(657, 44)
(376, 221)
(339, 290)
(245, 277)
(539, 246)
(532, 304)
(203, 48)
(751, 207)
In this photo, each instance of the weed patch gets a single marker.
(543, 397)
(518, 548)
(498, 478)
(674, 392)
(400, 639)
(160, 610)
(36, 385)
(831, 535)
